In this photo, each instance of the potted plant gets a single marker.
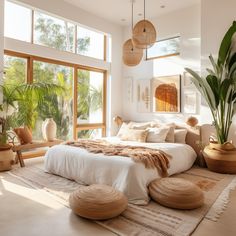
(25, 98)
(219, 90)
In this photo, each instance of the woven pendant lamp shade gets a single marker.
(131, 55)
(144, 34)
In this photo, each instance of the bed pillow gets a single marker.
(180, 135)
(134, 135)
(170, 137)
(24, 134)
(140, 125)
(157, 135)
(123, 129)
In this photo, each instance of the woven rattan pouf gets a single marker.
(97, 202)
(176, 193)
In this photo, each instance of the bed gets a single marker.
(121, 172)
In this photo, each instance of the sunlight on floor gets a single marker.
(35, 195)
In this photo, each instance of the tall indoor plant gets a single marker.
(219, 90)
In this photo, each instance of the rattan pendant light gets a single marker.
(144, 33)
(131, 55)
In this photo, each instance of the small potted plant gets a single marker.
(219, 90)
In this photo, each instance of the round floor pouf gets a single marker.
(176, 193)
(97, 202)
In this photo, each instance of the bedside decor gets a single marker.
(219, 90)
(192, 121)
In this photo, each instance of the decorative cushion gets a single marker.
(97, 202)
(176, 193)
(24, 134)
(123, 129)
(157, 135)
(140, 125)
(134, 135)
(180, 135)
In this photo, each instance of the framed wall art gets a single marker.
(190, 102)
(143, 95)
(166, 94)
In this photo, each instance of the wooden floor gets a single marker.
(25, 211)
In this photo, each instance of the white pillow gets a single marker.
(180, 135)
(170, 137)
(139, 125)
(123, 129)
(157, 135)
(134, 135)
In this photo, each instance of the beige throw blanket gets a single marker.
(151, 158)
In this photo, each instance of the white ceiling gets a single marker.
(116, 10)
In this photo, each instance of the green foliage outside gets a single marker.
(55, 105)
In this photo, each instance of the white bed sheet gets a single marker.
(120, 172)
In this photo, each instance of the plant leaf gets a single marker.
(225, 44)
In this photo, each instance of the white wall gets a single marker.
(1, 41)
(70, 12)
(186, 23)
(217, 16)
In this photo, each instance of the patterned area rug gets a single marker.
(150, 220)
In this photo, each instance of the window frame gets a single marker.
(76, 126)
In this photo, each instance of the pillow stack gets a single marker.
(152, 132)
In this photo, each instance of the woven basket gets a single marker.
(97, 202)
(6, 159)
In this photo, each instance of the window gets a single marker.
(58, 107)
(91, 103)
(90, 43)
(90, 97)
(15, 70)
(17, 22)
(90, 133)
(164, 48)
(53, 32)
(79, 112)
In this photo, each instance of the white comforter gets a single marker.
(120, 172)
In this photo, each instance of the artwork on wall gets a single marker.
(187, 81)
(143, 95)
(128, 88)
(166, 94)
(190, 102)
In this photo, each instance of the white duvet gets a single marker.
(120, 172)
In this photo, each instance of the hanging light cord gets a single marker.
(144, 16)
(144, 9)
(132, 49)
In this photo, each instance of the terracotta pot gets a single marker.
(6, 159)
(49, 129)
(220, 158)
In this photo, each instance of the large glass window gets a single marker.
(53, 32)
(17, 22)
(164, 48)
(57, 107)
(90, 97)
(15, 70)
(90, 43)
(89, 133)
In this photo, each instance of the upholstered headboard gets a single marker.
(198, 137)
